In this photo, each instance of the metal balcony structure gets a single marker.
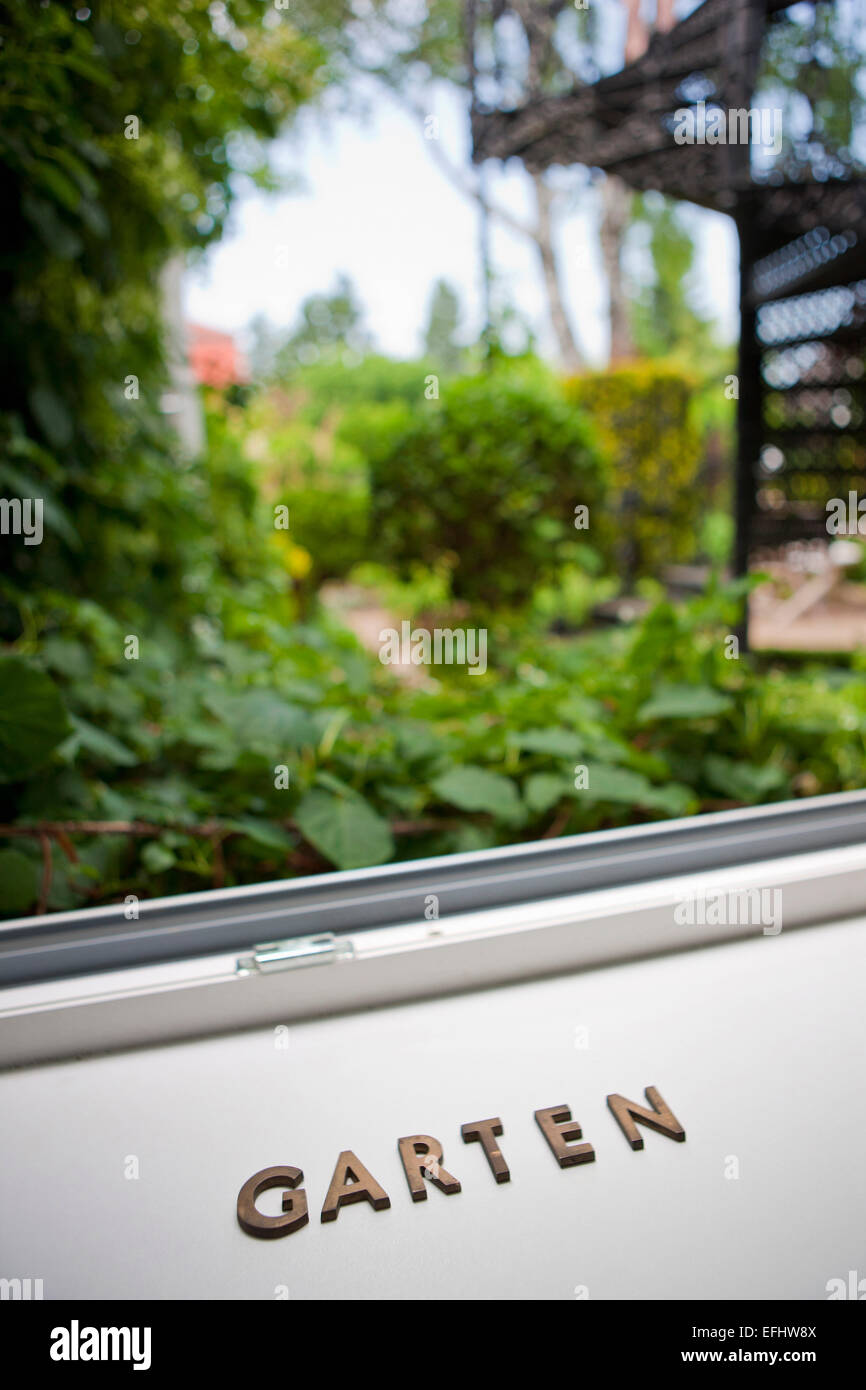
(802, 355)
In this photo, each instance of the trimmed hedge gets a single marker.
(643, 418)
(487, 477)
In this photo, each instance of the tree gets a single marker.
(409, 52)
(440, 342)
(561, 45)
(813, 66)
(409, 49)
(264, 344)
(616, 207)
(329, 327)
(664, 321)
(123, 135)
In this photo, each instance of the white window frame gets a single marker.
(92, 981)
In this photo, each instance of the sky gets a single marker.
(370, 200)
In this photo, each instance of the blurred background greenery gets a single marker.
(441, 489)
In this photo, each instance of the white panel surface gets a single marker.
(757, 1046)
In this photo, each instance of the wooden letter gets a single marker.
(422, 1157)
(559, 1129)
(294, 1203)
(661, 1118)
(483, 1132)
(352, 1183)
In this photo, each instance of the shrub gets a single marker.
(310, 436)
(488, 477)
(643, 418)
(331, 526)
(329, 387)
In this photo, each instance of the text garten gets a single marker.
(421, 1156)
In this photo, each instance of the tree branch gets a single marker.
(206, 830)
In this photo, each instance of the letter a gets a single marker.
(352, 1183)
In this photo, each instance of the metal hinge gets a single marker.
(295, 952)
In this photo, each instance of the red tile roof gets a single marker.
(215, 357)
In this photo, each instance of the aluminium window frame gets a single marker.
(84, 941)
(88, 981)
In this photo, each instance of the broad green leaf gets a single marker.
(94, 217)
(33, 719)
(684, 702)
(578, 708)
(262, 721)
(333, 784)
(608, 783)
(101, 745)
(52, 415)
(19, 882)
(543, 790)
(156, 857)
(70, 658)
(742, 780)
(673, 799)
(61, 188)
(469, 839)
(263, 832)
(42, 215)
(406, 799)
(345, 829)
(476, 789)
(416, 740)
(559, 743)
(620, 784)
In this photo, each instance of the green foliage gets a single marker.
(472, 788)
(487, 476)
(812, 68)
(310, 433)
(716, 538)
(332, 526)
(92, 217)
(344, 828)
(329, 329)
(19, 882)
(330, 390)
(178, 752)
(440, 338)
(568, 599)
(651, 449)
(654, 720)
(32, 718)
(664, 321)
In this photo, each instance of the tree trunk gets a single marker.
(570, 356)
(637, 33)
(616, 205)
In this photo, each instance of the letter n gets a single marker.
(661, 1118)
